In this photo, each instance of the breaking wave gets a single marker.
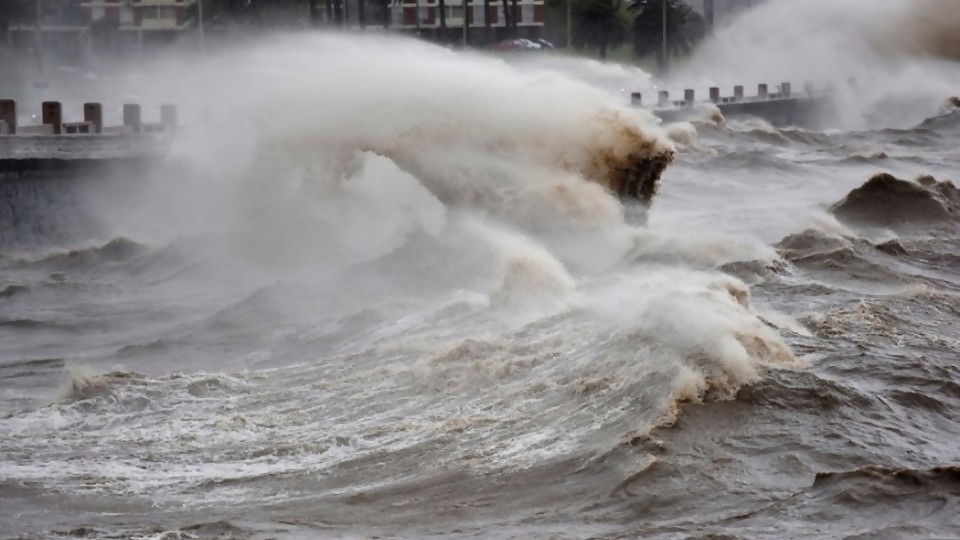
(116, 250)
(887, 201)
(409, 283)
(476, 132)
(948, 121)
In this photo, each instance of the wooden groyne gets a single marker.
(55, 147)
(780, 107)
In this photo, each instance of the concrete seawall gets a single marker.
(56, 148)
(781, 108)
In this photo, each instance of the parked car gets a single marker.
(522, 44)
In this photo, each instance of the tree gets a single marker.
(443, 21)
(507, 18)
(385, 12)
(599, 24)
(685, 28)
(488, 21)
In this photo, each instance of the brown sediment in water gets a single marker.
(934, 27)
(630, 162)
(924, 28)
(576, 169)
(623, 157)
(885, 200)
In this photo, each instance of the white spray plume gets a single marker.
(474, 130)
(894, 50)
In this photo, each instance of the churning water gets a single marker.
(380, 288)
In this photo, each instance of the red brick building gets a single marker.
(130, 25)
(485, 22)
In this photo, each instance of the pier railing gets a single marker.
(52, 121)
(783, 91)
(780, 107)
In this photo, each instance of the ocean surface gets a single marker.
(342, 308)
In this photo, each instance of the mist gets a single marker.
(883, 60)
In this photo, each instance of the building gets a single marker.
(63, 37)
(125, 26)
(724, 10)
(481, 21)
(77, 32)
(73, 32)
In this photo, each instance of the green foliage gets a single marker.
(599, 24)
(684, 26)
(604, 25)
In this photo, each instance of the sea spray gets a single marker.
(881, 60)
(475, 131)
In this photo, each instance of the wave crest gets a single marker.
(476, 132)
(887, 201)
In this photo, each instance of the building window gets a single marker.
(97, 13)
(159, 12)
(126, 16)
(526, 13)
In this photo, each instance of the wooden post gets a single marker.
(689, 96)
(762, 91)
(785, 89)
(52, 114)
(8, 115)
(168, 116)
(738, 93)
(131, 117)
(663, 98)
(714, 95)
(93, 113)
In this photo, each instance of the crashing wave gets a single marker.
(81, 383)
(887, 201)
(619, 156)
(948, 120)
(473, 131)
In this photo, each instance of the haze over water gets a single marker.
(379, 288)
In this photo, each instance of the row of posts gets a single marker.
(689, 95)
(52, 120)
